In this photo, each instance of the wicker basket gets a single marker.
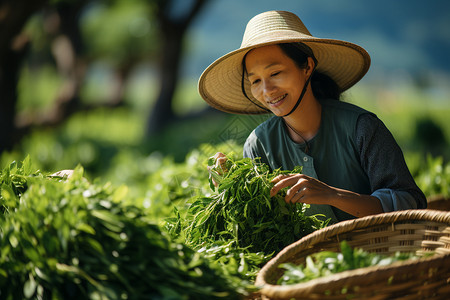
(414, 231)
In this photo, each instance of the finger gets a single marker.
(295, 194)
(285, 181)
(298, 189)
(219, 154)
(300, 184)
(279, 184)
(218, 157)
(221, 160)
(279, 177)
(214, 182)
(291, 193)
(221, 163)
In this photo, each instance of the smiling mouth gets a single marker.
(276, 100)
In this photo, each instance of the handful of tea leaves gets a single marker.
(243, 211)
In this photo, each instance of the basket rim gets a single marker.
(323, 234)
(348, 278)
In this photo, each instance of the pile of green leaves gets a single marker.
(70, 239)
(240, 221)
(243, 211)
(325, 263)
(239, 265)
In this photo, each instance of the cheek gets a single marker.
(256, 92)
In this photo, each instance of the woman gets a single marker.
(352, 166)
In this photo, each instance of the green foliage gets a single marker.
(119, 30)
(13, 183)
(70, 239)
(91, 139)
(186, 99)
(157, 182)
(239, 265)
(242, 210)
(37, 89)
(326, 263)
(108, 145)
(434, 176)
(240, 226)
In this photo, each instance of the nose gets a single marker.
(268, 87)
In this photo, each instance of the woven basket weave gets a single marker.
(413, 231)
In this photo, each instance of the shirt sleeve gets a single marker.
(249, 151)
(253, 149)
(384, 163)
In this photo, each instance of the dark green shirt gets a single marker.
(352, 150)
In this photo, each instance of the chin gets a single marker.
(280, 112)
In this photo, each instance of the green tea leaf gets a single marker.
(325, 263)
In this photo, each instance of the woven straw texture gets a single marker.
(414, 231)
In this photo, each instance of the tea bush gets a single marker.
(70, 239)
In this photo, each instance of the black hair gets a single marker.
(322, 85)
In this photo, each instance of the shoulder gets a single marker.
(269, 125)
(342, 107)
(266, 130)
(370, 127)
(261, 136)
(343, 115)
(367, 122)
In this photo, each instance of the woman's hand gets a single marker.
(305, 189)
(217, 168)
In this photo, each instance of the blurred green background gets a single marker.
(112, 84)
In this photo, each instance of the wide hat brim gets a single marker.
(220, 85)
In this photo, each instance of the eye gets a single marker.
(275, 73)
(255, 81)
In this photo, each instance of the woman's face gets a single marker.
(275, 79)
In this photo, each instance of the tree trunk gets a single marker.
(67, 49)
(13, 47)
(172, 34)
(162, 113)
(9, 75)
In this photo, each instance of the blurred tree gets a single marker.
(70, 50)
(61, 22)
(13, 48)
(121, 35)
(172, 29)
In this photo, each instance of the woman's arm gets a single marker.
(393, 187)
(309, 190)
(383, 161)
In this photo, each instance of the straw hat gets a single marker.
(220, 84)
